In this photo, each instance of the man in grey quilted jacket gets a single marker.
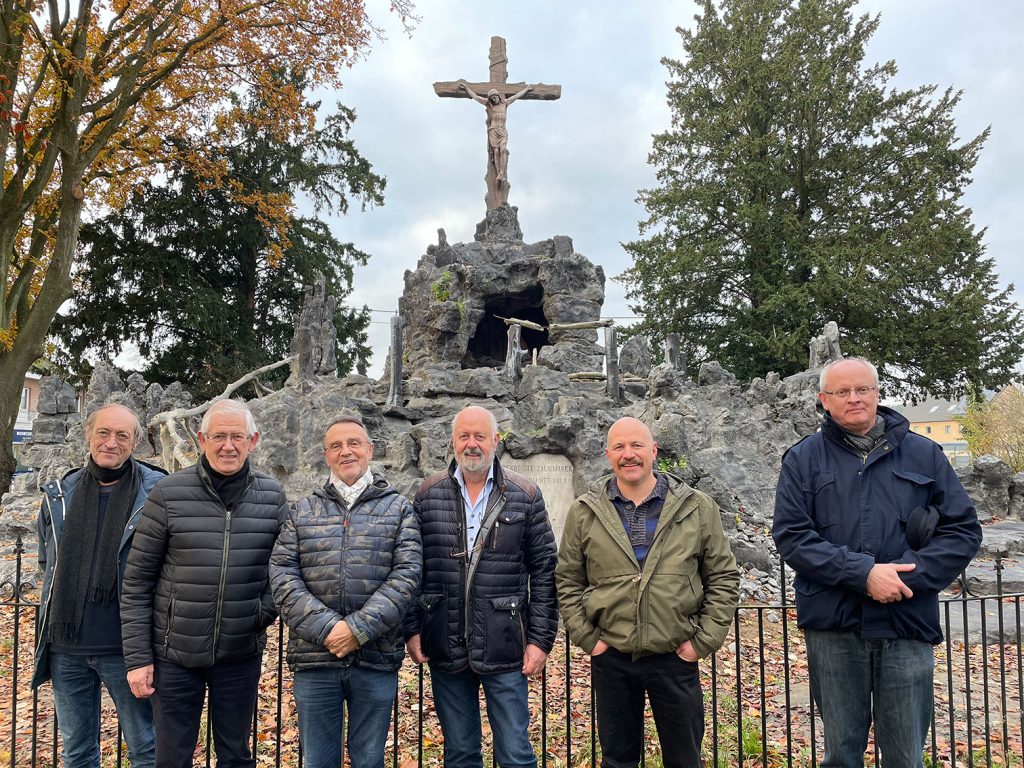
(344, 571)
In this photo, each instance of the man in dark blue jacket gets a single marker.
(86, 524)
(875, 523)
(487, 615)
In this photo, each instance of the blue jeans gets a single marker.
(851, 678)
(321, 696)
(457, 698)
(76, 698)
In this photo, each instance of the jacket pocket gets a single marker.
(170, 621)
(826, 500)
(913, 490)
(505, 636)
(434, 627)
(506, 533)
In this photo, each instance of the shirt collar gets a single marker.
(461, 480)
(660, 490)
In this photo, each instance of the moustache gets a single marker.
(631, 463)
(474, 452)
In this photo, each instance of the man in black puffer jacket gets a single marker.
(195, 602)
(487, 615)
(344, 572)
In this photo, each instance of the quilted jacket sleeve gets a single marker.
(149, 546)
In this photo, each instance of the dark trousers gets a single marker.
(673, 686)
(178, 706)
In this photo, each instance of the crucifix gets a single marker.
(496, 95)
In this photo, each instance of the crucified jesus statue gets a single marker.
(497, 131)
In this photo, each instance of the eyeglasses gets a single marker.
(843, 394)
(352, 445)
(122, 438)
(220, 438)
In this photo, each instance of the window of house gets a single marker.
(25, 392)
(949, 429)
(928, 430)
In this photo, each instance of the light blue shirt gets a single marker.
(474, 512)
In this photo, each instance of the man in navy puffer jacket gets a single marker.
(344, 572)
(487, 615)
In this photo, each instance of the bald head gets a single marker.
(475, 412)
(632, 453)
(627, 425)
(849, 392)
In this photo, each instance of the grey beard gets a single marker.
(474, 463)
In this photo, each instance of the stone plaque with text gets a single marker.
(553, 473)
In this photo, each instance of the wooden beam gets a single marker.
(605, 323)
(524, 323)
(453, 89)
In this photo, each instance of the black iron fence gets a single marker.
(759, 712)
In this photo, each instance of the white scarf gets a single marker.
(351, 492)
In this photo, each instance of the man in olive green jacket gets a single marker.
(647, 585)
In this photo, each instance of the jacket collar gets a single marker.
(499, 475)
(678, 491)
(896, 427)
(379, 487)
(679, 501)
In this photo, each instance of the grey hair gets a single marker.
(824, 371)
(494, 421)
(90, 422)
(235, 407)
(345, 418)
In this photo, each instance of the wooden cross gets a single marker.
(496, 95)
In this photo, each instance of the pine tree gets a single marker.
(797, 186)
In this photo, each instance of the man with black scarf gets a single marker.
(196, 600)
(875, 523)
(85, 524)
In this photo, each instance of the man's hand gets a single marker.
(416, 650)
(599, 647)
(341, 642)
(686, 653)
(141, 682)
(884, 584)
(533, 660)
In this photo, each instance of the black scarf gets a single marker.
(80, 555)
(866, 443)
(230, 488)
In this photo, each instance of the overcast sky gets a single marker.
(576, 164)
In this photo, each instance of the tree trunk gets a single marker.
(33, 327)
(10, 399)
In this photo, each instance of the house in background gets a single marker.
(28, 409)
(937, 419)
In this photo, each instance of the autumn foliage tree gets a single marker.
(181, 271)
(93, 90)
(996, 427)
